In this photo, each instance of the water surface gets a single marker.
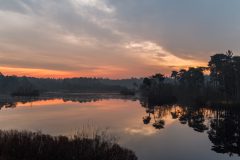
(161, 132)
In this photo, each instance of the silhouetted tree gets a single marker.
(236, 66)
(224, 73)
(147, 82)
(159, 78)
(174, 75)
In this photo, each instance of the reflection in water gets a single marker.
(8, 105)
(220, 124)
(225, 131)
(12, 102)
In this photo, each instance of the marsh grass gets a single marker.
(25, 145)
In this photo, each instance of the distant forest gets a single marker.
(27, 86)
(219, 81)
(221, 84)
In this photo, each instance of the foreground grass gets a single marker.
(16, 145)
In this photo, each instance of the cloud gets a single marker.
(96, 4)
(188, 29)
(116, 38)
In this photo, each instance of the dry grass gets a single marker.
(24, 145)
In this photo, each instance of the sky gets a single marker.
(114, 38)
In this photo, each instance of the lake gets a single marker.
(169, 132)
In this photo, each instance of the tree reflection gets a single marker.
(7, 105)
(194, 117)
(12, 102)
(222, 124)
(224, 132)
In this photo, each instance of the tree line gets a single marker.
(26, 86)
(220, 80)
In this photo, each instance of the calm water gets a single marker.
(160, 133)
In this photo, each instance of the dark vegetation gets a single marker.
(25, 88)
(221, 85)
(127, 92)
(29, 86)
(25, 145)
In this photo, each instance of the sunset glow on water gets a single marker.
(123, 118)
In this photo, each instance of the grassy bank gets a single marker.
(16, 145)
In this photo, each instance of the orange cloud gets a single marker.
(156, 57)
(103, 71)
(34, 72)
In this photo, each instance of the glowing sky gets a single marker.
(113, 38)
